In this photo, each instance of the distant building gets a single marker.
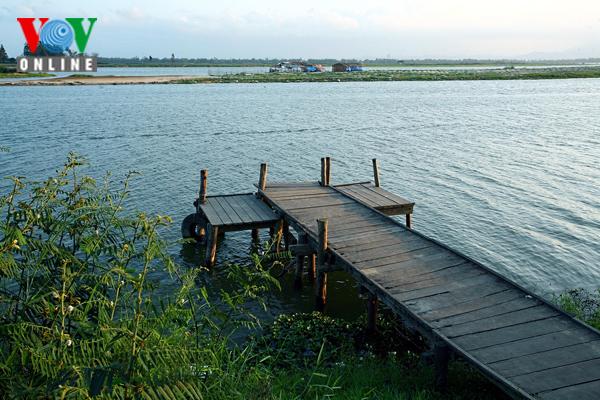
(346, 67)
(296, 66)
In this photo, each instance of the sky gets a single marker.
(455, 29)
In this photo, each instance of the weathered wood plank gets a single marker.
(465, 285)
(423, 256)
(516, 318)
(243, 212)
(582, 391)
(212, 215)
(230, 211)
(548, 359)
(261, 209)
(554, 378)
(513, 333)
(496, 310)
(536, 344)
(386, 252)
(464, 307)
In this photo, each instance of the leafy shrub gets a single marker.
(80, 315)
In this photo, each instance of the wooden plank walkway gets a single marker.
(522, 343)
(237, 212)
(377, 197)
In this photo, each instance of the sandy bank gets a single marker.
(103, 80)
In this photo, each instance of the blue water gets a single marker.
(504, 171)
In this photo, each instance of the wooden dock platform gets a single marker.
(525, 345)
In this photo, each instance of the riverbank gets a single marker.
(367, 76)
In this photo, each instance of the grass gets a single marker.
(5, 75)
(379, 379)
(402, 75)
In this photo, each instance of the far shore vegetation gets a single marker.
(92, 304)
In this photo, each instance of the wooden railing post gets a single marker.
(323, 172)
(376, 172)
(328, 169)
(203, 185)
(321, 289)
(262, 180)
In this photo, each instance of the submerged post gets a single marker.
(372, 304)
(203, 185)
(211, 245)
(376, 172)
(321, 289)
(441, 354)
(409, 221)
(328, 170)
(262, 180)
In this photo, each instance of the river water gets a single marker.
(504, 171)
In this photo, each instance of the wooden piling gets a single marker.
(312, 267)
(255, 236)
(321, 288)
(203, 185)
(376, 172)
(302, 239)
(262, 179)
(328, 170)
(409, 221)
(286, 235)
(211, 245)
(441, 354)
(372, 306)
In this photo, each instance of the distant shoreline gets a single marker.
(367, 76)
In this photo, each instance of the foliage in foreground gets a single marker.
(582, 304)
(80, 310)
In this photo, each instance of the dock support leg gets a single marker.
(376, 172)
(372, 305)
(321, 289)
(277, 235)
(441, 354)
(212, 236)
(255, 236)
(302, 239)
(286, 235)
(312, 268)
(409, 221)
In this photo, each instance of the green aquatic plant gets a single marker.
(81, 313)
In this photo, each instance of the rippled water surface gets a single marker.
(504, 171)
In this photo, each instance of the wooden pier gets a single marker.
(525, 345)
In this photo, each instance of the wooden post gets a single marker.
(211, 245)
(312, 267)
(302, 239)
(441, 354)
(203, 184)
(321, 289)
(323, 171)
(255, 236)
(409, 221)
(328, 169)
(278, 234)
(376, 172)
(372, 304)
(262, 180)
(286, 235)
